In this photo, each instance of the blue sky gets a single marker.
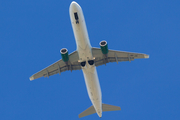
(33, 32)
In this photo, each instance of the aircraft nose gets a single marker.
(73, 3)
(74, 6)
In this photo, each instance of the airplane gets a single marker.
(87, 58)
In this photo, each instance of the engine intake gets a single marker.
(104, 47)
(64, 54)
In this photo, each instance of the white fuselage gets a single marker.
(85, 54)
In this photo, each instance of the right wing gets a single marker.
(115, 56)
(59, 66)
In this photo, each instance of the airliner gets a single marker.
(87, 58)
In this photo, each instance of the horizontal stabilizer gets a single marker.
(87, 112)
(105, 107)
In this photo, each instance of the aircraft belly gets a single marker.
(85, 54)
(93, 87)
(82, 42)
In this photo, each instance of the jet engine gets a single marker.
(64, 54)
(104, 47)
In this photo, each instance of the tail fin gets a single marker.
(105, 107)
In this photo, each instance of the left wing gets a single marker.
(59, 66)
(115, 56)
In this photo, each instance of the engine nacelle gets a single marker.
(64, 54)
(104, 47)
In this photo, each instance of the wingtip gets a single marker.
(146, 56)
(31, 78)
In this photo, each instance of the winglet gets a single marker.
(31, 78)
(146, 56)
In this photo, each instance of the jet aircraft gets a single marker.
(87, 58)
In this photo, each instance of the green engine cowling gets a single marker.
(64, 54)
(104, 47)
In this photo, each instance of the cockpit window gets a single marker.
(76, 16)
(91, 62)
(83, 63)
